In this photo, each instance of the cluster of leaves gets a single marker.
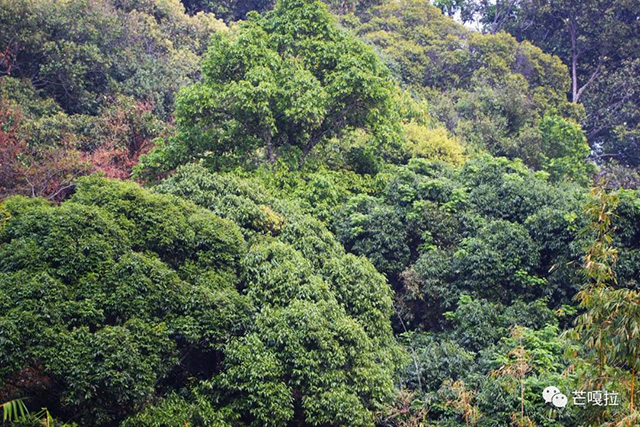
(82, 53)
(278, 86)
(608, 326)
(43, 149)
(597, 40)
(233, 10)
(120, 295)
(491, 91)
(229, 10)
(490, 211)
(472, 252)
(87, 86)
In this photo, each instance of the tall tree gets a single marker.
(283, 83)
(599, 41)
(587, 34)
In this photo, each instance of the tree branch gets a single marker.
(591, 79)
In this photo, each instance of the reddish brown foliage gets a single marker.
(125, 131)
(8, 57)
(11, 145)
(126, 137)
(36, 171)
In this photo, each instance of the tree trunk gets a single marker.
(574, 62)
(271, 155)
(576, 91)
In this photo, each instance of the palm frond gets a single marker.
(14, 410)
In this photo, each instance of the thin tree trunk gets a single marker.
(271, 155)
(574, 62)
(576, 91)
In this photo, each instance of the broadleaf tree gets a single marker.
(278, 86)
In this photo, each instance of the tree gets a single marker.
(367, 226)
(137, 296)
(516, 365)
(597, 40)
(588, 35)
(229, 10)
(31, 169)
(565, 154)
(614, 117)
(280, 85)
(43, 150)
(83, 53)
(89, 85)
(522, 365)
(314, 300)
(233, 10)
(609, 328)
(488, 90)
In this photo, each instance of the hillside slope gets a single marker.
(353, 214)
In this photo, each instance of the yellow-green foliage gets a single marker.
(432, 144)
(5, 216)
(489, 90)
(272, 221)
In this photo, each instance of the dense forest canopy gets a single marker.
(599, 42)
(306, 213)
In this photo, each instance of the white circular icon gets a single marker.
(552, 395)
(559, 400)
(549, 392)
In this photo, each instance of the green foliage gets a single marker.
(107, 299)
(595, 39)
(487, 89)
(346, 206)
(566, 151)
(434, 360)
(277, 86)
(318, 311)
(368, 227)
(491, 229)
(229, 10)
(16, 413)
(480, 324)
(88, 85)
(81, 53)
(233, 10)
(626, 237)
(178, 411)
(523, 364)
(319, 193)
(120, 290)
(13, 410)
(465, 388)
(114, 369)
(614, 122)
(608, 327)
